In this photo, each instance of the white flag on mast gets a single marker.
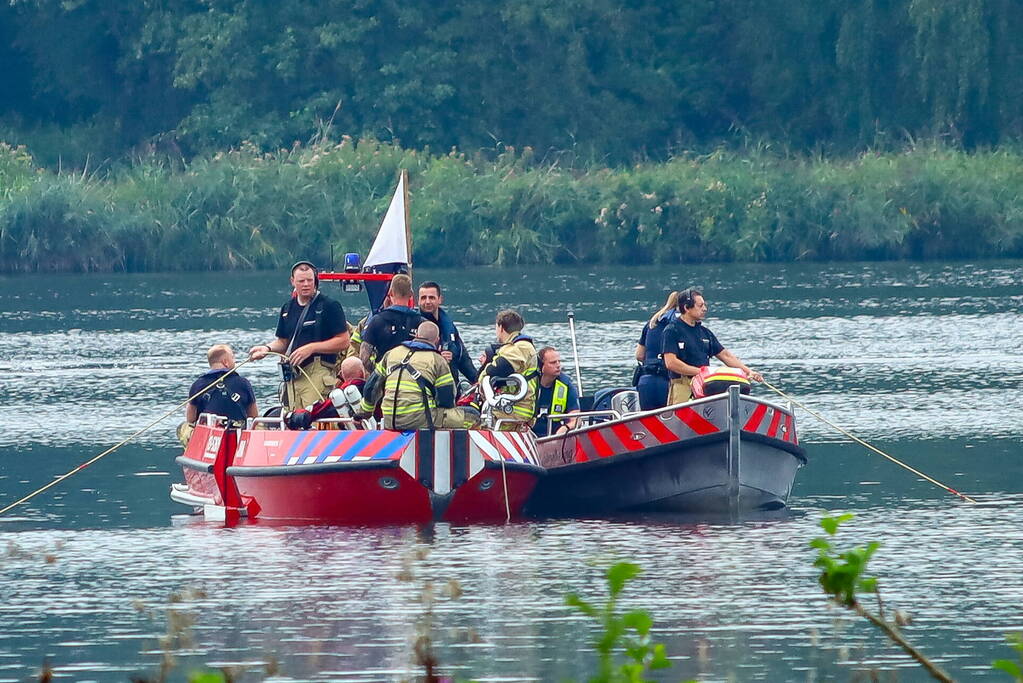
(392, 244)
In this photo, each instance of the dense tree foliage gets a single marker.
(606, 79)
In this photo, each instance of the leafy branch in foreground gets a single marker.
(1014, 669)
(629, 632)
(843, 575)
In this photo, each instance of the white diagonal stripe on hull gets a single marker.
(509, 445)
(488, 449)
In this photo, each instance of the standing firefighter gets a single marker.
(311, 332)
(418, 391)
(514, 355)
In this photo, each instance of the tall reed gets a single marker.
(249, 209)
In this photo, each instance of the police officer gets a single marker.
(556, 395)
(311, 332)
(416, 387)
(653, 376)
(688, 345)
(231, 396)
(515, 354)
(392, 325)
(451, 345)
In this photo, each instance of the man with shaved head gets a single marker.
(413, 382)
(218, 393)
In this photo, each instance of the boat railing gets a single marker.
(586, 422)
(211, 420)
(585, 416)
(270, 422)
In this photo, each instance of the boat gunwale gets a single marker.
(794, 450)
(666, 409)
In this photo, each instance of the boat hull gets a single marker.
(359, 477)
(728, 454)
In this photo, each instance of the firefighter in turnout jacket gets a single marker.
(413, 382)
(516, 354)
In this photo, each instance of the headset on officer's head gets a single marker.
(686, 299)
(316, 273)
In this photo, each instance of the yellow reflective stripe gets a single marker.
(407, 409)
(444, 380)
(523, 410)
(366, 407)
(404, 384)
(559, 398)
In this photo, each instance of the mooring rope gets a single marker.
(122, 443)
(865, 444)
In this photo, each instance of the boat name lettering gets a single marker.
(271, 444)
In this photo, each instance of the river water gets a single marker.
(102, 577)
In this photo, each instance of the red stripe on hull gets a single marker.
(772, 431)
(600, 445)
(753, 423)
(654, 425)
(378, 444)
(696, 422)
(624, 435)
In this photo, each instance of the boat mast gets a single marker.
(408, 225)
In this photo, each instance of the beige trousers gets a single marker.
(680, 390)
(312, 383)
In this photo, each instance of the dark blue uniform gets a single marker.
(325, 319)
(451, 341)
(389, 328)
(229, 398)
(653, 383)
(693, 344)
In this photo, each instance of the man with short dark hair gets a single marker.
(556, 395)
(514, 355)
(392, 325)
(311, 332)
(431, 298)
(688, 346)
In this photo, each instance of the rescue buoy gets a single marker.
(716, 380)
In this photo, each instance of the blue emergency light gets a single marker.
(353, 264)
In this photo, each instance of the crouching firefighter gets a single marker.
(413, 382)
(515, 354)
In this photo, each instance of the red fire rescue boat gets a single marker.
(356, 476)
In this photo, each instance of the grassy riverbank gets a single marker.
(247, 209)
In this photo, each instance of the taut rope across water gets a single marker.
(865, 444)
(114, 448)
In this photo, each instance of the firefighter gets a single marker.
(515, 354)
(414, 385)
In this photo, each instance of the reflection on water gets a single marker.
(729, 599)
(922, 359)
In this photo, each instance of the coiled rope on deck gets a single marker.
(122, 443)
(863, 443)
